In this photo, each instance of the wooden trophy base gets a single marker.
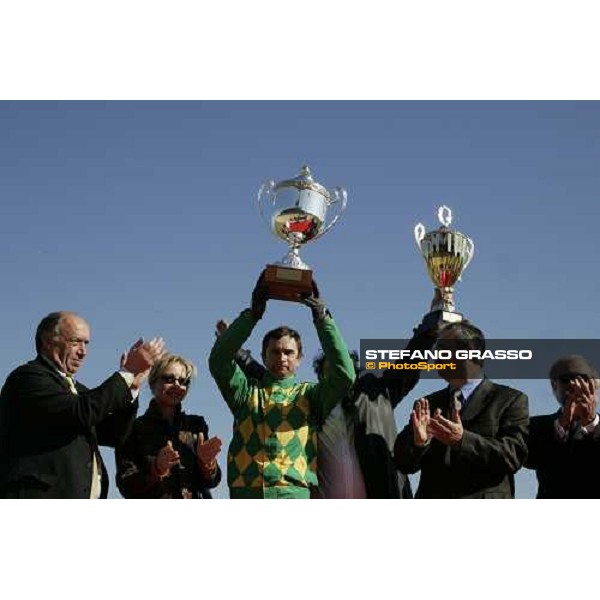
(285, 283)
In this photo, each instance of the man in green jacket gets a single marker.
(273, 450)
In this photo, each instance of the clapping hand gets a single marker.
(142, 355)
(447, 431)
(206, 454)
(166, 459)
(580, 403)
(419, 419)
(139, 377)
(582, 392)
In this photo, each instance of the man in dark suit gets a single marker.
(469, 439)
(564, 447)
(51, 425)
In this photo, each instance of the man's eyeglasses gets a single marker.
(182, 381)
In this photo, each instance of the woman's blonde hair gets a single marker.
(161, 365)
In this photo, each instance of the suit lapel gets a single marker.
(47, 366)
(477, 401)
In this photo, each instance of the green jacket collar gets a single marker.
(284, 382)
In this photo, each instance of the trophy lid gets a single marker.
(444, 216)
(304, 181)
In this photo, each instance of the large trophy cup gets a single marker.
(296, 211)
(447, 254)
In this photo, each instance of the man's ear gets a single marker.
(46, 345)
(554, 384)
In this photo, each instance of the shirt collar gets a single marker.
(469, 387)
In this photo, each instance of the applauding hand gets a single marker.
(419, 419)
(166, 459)
(206, 454)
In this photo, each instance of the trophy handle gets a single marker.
(471, 245)
(266, 194)
(340, 197)
(471, 252)
(419, 234)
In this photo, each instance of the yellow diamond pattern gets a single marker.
(285, 436)
(283, 461)
(254, 400)
(243, 459)
(238, 482)
(302, 434)
(283, 432)
(300, 465)
(246, 427)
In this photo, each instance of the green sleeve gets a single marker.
(229, 377)
(340, 376)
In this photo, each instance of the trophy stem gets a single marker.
(443, 312)
(446, 302)
(292, 259)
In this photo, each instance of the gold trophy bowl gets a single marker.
(447, 253)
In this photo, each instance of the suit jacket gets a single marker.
(371, 404)
(482, 465)
(48, 435)
(564, 468)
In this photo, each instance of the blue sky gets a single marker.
(142, 217)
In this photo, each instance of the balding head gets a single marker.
(62, 337)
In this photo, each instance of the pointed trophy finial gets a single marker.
(444, 215)
(305, 172)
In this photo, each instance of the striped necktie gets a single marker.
(71, 383)
(96, 486)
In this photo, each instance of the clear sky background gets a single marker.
(142, 217)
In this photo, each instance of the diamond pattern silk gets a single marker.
(275, 441)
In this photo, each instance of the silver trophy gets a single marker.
(447, 254)
(296, 210)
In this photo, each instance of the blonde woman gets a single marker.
(169, 453)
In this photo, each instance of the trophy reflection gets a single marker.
(447, 254)
(296, 212)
